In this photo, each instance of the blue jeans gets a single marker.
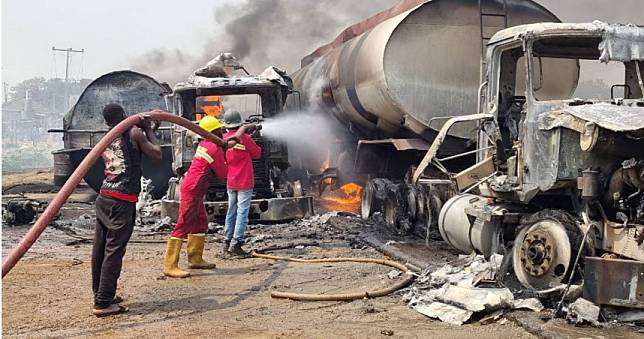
(237, 215)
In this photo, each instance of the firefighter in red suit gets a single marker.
(209, 161)
(240, 184)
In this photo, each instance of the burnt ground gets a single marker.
(48, 293)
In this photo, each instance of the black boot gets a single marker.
(236, 249)
(225, 252)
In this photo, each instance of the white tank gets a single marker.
(391, 74)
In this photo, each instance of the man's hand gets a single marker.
(145, 123)
(246, 128)
(231, 142)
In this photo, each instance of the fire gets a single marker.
(345, 199)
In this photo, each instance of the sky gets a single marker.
(111, 32)
(117, 32)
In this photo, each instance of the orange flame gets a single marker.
(345, 199)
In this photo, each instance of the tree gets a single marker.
(35, 85)
(50, 93)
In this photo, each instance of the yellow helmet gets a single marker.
(209, 123)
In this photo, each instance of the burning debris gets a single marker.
(347, 198)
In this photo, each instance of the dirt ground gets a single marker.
(48, 294)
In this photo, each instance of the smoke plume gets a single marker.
(262, 33)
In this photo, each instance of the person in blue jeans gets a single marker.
(236, 221)
(240, 183)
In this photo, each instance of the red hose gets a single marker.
(28, 240)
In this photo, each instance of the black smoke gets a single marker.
(262, 33)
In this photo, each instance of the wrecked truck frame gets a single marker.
(275, 198)
(567, 174)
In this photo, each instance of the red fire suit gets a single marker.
(240, 162)
(208, 162)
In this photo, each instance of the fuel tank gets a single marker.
(84, 126)
(395, 73)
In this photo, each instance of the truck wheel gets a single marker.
(421, 198)
(543, 254)
(295, 189)
(173, 192)
(433, 206)
(369, 203)
(412, 202)
(391, 212)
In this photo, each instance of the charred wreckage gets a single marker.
(486, 146)
(262, 96)
(506, 160)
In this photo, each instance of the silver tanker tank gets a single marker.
(392, 74)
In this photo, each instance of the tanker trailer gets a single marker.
(84, 126)
(390, 82)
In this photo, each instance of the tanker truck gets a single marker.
(389, 83)
(257, 97)
(518, 163)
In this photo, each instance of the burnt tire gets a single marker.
(369, 203)
(433, 206)
(391, 213)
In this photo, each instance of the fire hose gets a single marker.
(39, 226)
(344, 296)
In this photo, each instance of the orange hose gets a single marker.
(39, 226)
(344, 296)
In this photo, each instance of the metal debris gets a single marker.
(444, 312)
(582, 311)
(148, 209)
(450, 293)
(468, 271)
(619, 315)
(478, 299)
(531, 304)
(574, 292)
(491, 318)
(324, 218)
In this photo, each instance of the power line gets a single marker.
(68, 51)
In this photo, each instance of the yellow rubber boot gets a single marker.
(195, 252)
(171, 260)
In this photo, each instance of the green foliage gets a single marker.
(50, 93)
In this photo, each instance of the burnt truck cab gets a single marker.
(569, 161)
(257, 98)
(558, 183)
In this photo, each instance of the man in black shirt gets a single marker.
(116, 206)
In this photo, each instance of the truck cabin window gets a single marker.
(595, 80)
(248, 105)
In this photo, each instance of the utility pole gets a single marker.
(68, 51)
(5, 92)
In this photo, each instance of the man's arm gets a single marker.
(147, 141)
(218, 165)
(252, 148)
